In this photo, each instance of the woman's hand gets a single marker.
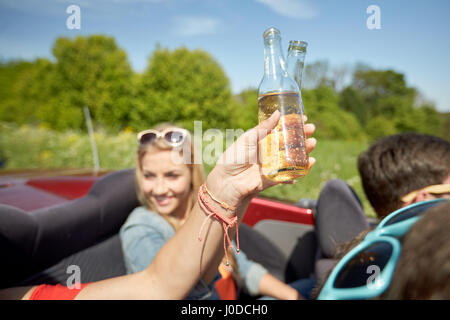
(237, 173)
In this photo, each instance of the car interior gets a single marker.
(38, 247)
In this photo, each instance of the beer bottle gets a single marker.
(283, 152)
(296, 60)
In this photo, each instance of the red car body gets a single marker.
(35, 189)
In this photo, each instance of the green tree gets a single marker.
(245, 109)
(379, 126)
(352, 101)
(94, 72)
(378, 87)
(388, 104)
(321, 107)
(182, 86)
(444, 128)
(24, 86)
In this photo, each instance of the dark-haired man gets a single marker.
(405, 168)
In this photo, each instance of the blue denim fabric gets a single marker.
(250, 272)
(145, 232)
(303, 286)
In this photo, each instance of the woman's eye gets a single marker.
(148, 175)
(172, 175)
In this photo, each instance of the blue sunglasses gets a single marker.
(366, 271)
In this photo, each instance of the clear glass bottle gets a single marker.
(296, 60)
(283, 152)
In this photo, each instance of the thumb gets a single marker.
(264, 127)
(253, 136)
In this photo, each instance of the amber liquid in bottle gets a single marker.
(283, 152)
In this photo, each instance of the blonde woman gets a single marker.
(167, 186)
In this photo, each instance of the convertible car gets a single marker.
(50, 220)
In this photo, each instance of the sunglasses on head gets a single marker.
(174, 137)
(366, 270)
(436, 189)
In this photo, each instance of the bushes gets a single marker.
(38, 147)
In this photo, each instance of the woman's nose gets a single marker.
(160, 186)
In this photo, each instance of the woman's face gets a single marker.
(166, 183)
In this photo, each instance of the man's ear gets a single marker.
(422, 195)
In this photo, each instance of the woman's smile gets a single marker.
(166, 185)
(162, 200)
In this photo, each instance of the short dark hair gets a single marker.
(423, 270)
(399, 164)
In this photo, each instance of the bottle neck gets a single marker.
(296, 63)
(274, 63)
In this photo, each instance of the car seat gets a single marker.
(339, 217)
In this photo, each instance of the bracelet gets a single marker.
(224, 205)
(227, 222)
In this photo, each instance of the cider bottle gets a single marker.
(282, 152)
(296, 60)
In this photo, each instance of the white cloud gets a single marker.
(299, 9)
(194, 25)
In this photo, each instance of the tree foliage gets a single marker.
(384, 104)
(93, 72)
(89, 71)
(322, 108)
(183, 85)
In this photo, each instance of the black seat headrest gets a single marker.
(30, 242)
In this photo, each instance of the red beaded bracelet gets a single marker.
(227, 222)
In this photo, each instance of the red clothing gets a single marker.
(226, 286)
(55, 292)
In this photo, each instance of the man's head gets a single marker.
(400, 164)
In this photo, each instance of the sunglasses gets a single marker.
(366, 270)
(434, 189)
(174, 137)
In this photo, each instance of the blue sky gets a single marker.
(414, 37)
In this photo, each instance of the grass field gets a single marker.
(34, 147)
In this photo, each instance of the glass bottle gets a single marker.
(283, 152)
(296, 60)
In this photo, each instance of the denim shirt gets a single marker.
(145, 232)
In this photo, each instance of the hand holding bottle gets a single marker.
(236, 180)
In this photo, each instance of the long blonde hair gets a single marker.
(197, 170)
